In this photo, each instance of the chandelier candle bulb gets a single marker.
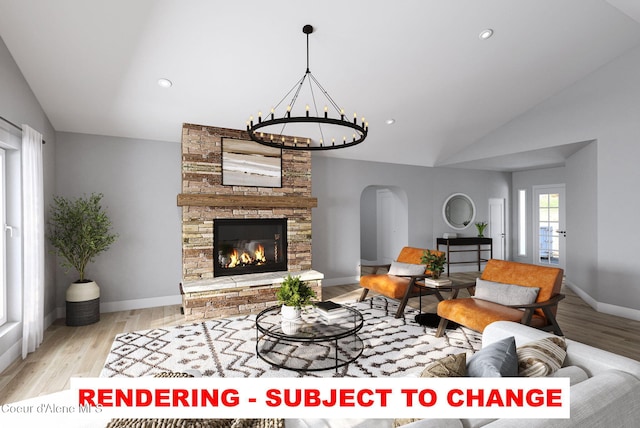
(259, 117)
(325, 111)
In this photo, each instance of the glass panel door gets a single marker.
(550, 225)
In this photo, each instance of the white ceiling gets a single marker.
(94, 64)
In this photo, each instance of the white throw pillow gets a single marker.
(505, 294)
(398, 268)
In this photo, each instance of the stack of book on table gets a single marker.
(330, 311)
(440, 282)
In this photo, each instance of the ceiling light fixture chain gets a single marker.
(279, 140)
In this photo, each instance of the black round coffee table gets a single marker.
(310, 344)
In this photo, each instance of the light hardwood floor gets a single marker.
(81, 351)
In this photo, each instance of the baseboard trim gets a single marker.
(605, 308)
(11, 355)
(340, 281)
(127, 305)
(151, 302)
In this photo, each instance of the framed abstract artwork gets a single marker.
(247, 163)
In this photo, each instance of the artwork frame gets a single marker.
(247, 163)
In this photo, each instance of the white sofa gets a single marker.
(605, 390)
(605, 387)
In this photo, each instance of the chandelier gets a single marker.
(330, 130)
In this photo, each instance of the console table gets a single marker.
(480, 245)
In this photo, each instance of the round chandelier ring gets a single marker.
(293, 145)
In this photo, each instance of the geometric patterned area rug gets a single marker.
(226, 347)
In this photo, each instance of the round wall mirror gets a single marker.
(459, 211)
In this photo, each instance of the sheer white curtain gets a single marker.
(33, 240)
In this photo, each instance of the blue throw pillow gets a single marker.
(499, 359)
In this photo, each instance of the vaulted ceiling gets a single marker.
(94, 64)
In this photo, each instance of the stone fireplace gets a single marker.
(211, 291)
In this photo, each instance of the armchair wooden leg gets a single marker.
(363, 294)
(405, 299)
(552, 319)
(442, 326)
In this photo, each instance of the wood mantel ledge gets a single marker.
(248, 201)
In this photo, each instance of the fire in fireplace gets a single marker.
(242, 246)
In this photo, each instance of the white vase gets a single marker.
(290, 313)
(290, 327)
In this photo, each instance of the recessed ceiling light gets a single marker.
(164, 83)
(485, 34)
(390, 121)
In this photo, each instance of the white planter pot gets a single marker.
(290, 313)
(82, 291)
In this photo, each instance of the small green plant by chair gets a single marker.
(481, 226)
(435, 262)
(295, 292)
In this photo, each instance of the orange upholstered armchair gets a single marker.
(508, 291)
(399, 277)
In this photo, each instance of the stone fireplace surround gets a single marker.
(204, 199)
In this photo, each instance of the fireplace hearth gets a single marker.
(244, 246)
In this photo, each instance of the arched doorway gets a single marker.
(384, 223)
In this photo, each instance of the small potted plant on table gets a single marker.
(294, 294)
(435, 261)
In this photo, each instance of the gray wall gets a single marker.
(602, 107)
(140, 180)
(20, 106)
(338, 184)
(582, 211)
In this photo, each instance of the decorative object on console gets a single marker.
(481, 226)
(352, 132)
(79, 230)
(435, 261)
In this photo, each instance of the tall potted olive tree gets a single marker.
(79, 230)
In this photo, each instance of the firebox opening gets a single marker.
(242, 246)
